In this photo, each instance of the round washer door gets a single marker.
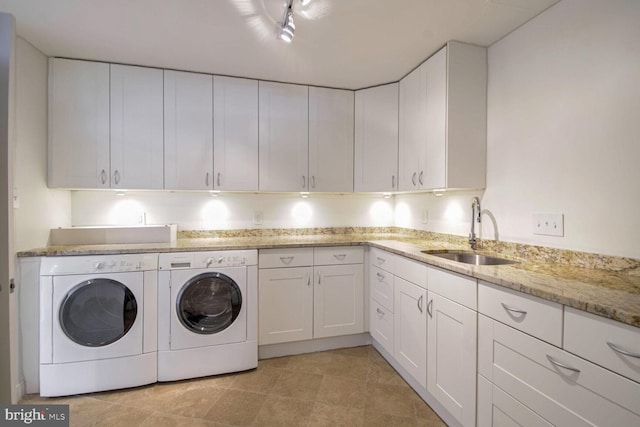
(209, 303)
(98, 312)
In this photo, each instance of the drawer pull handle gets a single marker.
(308, 279)
(430, 308)
(420, 303)
(380, 312)
(562, 365)
(286, 259)
(513, 310)
(380, 260)
(340, 257)
(380, 276)
(420, 178)
(413, 178)
(621, 351)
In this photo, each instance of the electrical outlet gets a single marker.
(425, 216)
(549, 224)
(258, 217)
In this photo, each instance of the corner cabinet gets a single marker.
(376, 139)
(284, 137)
(442, 124)
(78, 151)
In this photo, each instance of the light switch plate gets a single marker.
(548, 224)
(258, 217)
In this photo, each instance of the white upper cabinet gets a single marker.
(78, 154)
(137, 148)
(330, 139)
(235, 133)
(442, 142)
(284, 137)
(376, 139)
(188, 131)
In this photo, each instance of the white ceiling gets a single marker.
(338, 43)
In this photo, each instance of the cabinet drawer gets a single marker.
(603, 341)
(456, 287)
(381, 287)
(535, 316)
(382, 259)
(274, 258)
(411, 271)
(338, 255)
(564, 389)
(381, 325)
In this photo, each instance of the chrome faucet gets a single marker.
(475, 205)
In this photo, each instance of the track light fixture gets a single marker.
(288, 27)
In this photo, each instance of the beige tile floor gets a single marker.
(348, 387)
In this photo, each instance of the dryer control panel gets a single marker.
(210, 259)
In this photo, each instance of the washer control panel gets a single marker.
(98, 264)
(211, 260)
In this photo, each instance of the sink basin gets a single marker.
(470, 258)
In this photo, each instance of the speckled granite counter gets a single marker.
(606, 286)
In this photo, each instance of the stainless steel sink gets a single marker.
(470, 258)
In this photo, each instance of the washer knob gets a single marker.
(99, 265)
(220, 259)
(209, 261)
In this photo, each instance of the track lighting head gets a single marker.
(287, 27)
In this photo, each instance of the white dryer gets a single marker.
(98, 323)
(207, 313)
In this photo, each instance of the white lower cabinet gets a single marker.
(451, 357)
(297, 301)
(562, 388)
(410, 328)
(381, 325)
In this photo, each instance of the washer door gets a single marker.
(209, 303)
(97, 317)
(208, 307)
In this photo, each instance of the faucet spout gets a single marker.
(475, 216)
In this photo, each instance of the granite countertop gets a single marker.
(611, 290)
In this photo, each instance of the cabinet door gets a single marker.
(410, 328)
(235, 154)
(376, 139)
(338, 300)
(284, 137)
(435, 120)
(188, 131)
(412, 130)
(78, 124)
(285, 305)
(451, 357)
(330, 139)
(137, 148)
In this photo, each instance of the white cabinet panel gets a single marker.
(381, 325)
(137, 153)
(235, 134)
(293, 257)
(410, 329)
(78, 153)
(376, 139)
(382, 259)
(338, 300)
(411, 270)
(435, 163)
(457, 287)
(285, 305)
(331, 139)
(412, 129)
(381, 288)
(451, 357)
(284, 137)
(338, 255)
(188, 131)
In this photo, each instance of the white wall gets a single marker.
(201, 211)
(563, 132)
(40, 207)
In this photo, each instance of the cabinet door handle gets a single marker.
(218, 179)
(103, 176)
(313, 181)
(621, 351)
(429, 308)
(513, 310)
(206, 180)
(308, 279)
(286, 259)
(340, 257)
(420, 178)
(562, 365)
(319, 278)
(413, 179)
(116, 177)
(304, 181)
(393, 181)
(380, 276)
(380, 312)
(420, 303)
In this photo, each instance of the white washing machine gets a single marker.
(98, 323)
(207, 313)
